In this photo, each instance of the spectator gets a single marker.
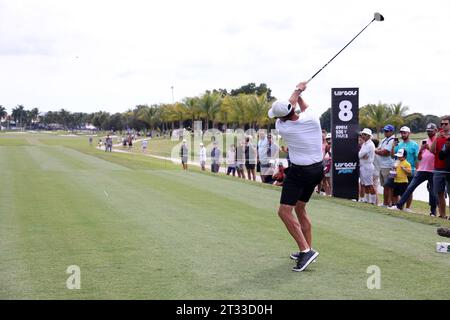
(259, 149)
(240, 160)
(90, 141)
(320, 187)
(184, 154)
(250, 159)
(424, 171)
(144, 146)
(278, 176)
(202, 156)
(361, 187)
(403, 170)
(440, 172)
(444, 154)
(268, 152)
(412, 151)
(108, 143)
(383, 154)
(130, 141)
(231, 160)
(215, 158)
(327, 162)
(366, 157)
(376, 171)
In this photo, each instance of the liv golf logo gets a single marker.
(345, 167)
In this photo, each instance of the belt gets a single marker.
(308, 166)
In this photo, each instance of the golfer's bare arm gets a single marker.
(296, 98)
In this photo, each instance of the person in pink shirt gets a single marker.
(424, 171)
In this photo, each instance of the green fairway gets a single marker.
(140, 228)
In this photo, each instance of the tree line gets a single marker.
(245, 107)
(376, 116)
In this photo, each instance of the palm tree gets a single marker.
(223, 116)
(192, 107)
(34, 115)
(64, 117)
(164, 116)
(210, 105)
(397, 114)
(239, 109)
(3, 113)
(179, 112)
(374, 116)
(18, 114)
(258, 108)
(149, 115)
(128, 116)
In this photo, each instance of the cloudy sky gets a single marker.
(112, 55)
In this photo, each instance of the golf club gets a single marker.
(377, 17)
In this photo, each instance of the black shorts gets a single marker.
(300, 182)
(250, 166)
(399, 189)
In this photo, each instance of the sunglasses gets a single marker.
(444, 123)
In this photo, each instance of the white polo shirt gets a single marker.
(367, 149)
(303, 137)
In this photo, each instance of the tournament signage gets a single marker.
(344, 132)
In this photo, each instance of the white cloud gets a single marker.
(112, 55)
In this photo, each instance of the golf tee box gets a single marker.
(443, 247)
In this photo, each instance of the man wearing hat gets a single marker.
(215, 158)
(412, 151)
(202, 156)
(386, 164)
(366, 157)
(303, 135)
(424, 171)
(184, 155)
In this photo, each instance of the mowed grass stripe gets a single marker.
(196, 235)
(14, 273)
(59, 158)
(59, 231)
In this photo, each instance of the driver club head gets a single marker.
(378, 16)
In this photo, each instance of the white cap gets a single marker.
(328, 136)
(367, 131)
(201, 144)
(405, 129)
(280, 109)
(400, 153)
(184, 140)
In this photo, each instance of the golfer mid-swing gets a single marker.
(303, 135)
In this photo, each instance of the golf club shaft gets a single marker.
(340, 51)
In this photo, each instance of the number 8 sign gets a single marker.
(345, 113)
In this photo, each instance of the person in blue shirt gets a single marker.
(412, 149)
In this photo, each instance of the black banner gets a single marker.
(344, 132)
